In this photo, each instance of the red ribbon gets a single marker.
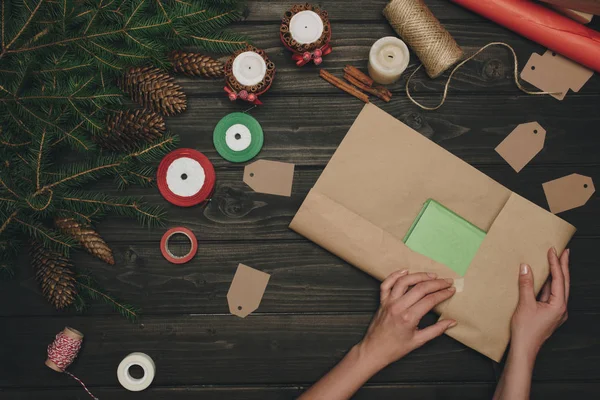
(242, 95)
(316, 56)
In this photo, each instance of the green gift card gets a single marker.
(445, 237)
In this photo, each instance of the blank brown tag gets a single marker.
(246, 290)
(271, 177)
(522, 144)
(555, 73)
(568, 192)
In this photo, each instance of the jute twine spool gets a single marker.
(431, 42)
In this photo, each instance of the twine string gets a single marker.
(431, 42)
(447, 85)
(62, 352)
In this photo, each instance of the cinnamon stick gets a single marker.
(376, 91)
(358, 74)
(340, 84)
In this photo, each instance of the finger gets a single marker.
(545, 292)
(526, 292)
(431, 332)
(423, 289)
(427, 303)
(409, 280)
(564, 265)
(389, 282)
(557, 287)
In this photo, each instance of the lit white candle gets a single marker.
(306, 27)
(249, 68)
(388, 59)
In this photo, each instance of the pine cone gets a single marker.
(154, 89)
(127, 129)
(91, 241)
(196, 64)
(55, 275)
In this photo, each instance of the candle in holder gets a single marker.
(306, 27)
(388, 58)
(249, 68)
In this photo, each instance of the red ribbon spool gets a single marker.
(164, 245)
(186, 201)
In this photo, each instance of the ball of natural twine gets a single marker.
(417, 26)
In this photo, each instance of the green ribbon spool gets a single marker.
(238, 137)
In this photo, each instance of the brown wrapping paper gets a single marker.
(373, 188)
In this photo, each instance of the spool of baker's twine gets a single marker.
(430, 41)
(63, 351)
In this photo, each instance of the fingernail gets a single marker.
(554, 250)
(431, 275)
(524, 269)
(568, 252)
(449, 280)
(452, 289)
(404, 271)
(453, 324)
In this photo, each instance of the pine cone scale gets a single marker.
(55, 275)
(154, 89)
(127, 129)
(196, 64)
(89, 239)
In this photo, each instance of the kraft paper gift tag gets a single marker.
(270, 177)
(589, 6)
(568, 192)
(246, 290)
(522, 144)
(552, 72)
(361, 211)
(581, 17)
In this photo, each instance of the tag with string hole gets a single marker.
(552, 72)
(522, 144)
(246, 290)
(568, 192)
(271, 177)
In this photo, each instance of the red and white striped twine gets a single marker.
(62, 352)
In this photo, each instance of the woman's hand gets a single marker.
(393, 333)
(532, 324)
(534, 321)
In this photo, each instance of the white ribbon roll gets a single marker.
(136, 384)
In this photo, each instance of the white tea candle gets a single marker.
(249, 68)
(306, 27)
(388, 58)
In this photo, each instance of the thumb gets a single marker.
(526, 292)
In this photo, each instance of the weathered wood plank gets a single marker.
(306, 130)
(238, 213)
(272, 10)
(304, 278)
(207, 350)
(464, 391)
(490, 72)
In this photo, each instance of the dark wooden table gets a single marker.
(316, 306)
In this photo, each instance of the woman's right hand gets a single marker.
(534, 321)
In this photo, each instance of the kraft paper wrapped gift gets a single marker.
(374, 187)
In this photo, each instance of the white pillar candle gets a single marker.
(249, 68)
(388, 59)
(306, 27)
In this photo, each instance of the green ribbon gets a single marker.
(256, 132)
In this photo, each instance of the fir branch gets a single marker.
(33, 12)
(49, 238)
(8, 220)
(88, 287)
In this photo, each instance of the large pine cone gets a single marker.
(55, 275)
(154, 89)
(91, 241)
(126, 130)
(196, 64)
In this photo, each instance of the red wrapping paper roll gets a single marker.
(544, 26)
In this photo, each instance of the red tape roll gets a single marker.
(178, 168)
(164, 245)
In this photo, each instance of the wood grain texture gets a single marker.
(304, 277)
(316, 306)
